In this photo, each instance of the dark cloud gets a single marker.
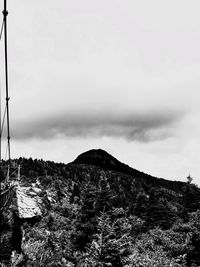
(143, 127)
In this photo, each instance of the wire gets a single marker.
(0, 121)
(6, 152)
(1, 32)
(3, 121)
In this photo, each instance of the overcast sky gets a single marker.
(123, 76)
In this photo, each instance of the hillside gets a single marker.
(101, 212)
(102, 159)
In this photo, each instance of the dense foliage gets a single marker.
(103, 213)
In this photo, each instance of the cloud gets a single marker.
(142, 127)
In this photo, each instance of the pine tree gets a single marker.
(141, 205)
(104, 198)
(159, 212)
(110, 244)
(86, 223)
(191, 198)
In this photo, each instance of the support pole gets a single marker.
(5, 13)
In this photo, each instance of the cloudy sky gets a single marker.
(123, 76)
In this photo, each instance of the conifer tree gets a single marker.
(159, 212)
(141, 205)
(85, 226)
(110, 244)
(191, 198)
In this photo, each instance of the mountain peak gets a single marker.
(98, 157)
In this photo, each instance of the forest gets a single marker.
(103, 213)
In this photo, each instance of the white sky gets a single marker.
(123, 76)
